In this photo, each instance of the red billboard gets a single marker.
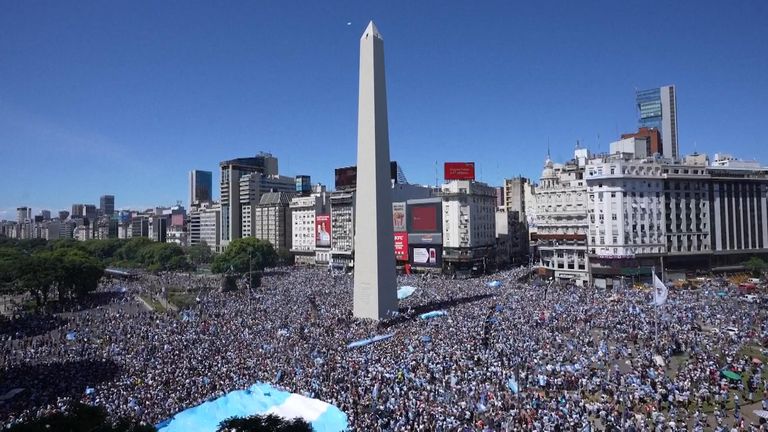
(423, 218)
(401, 246)
(459, 171)
(323, 230)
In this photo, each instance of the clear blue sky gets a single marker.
(126, 97)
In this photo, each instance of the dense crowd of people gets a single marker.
(518, 356)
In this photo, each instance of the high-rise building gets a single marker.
(200, 187)
(303, 184)
(271, 219)
(63, 215)
(107, 205)
(469, 224)
(23, 214)
(78, 210)
(243, 181)
(658, 110)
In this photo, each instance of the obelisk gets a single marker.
(375, 292)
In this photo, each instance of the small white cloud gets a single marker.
(349, 23)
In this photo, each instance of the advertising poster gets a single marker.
(459, 171)
(427, 256)
(401, 246)
(398, 216)
(323, 231)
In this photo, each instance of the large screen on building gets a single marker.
(427, 256)
(459, 171)
(323, 231)
(425, 218)
(346, 177)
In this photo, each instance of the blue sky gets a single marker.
(126, 97)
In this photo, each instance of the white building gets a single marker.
(304, 209)
(561, 221)
(469, 223)
(204, 225)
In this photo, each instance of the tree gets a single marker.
(81, 418)
(200, 254)
(264, 423)
(756, 265)
(245, 254)
(285, 257)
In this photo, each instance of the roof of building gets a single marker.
(272, 198)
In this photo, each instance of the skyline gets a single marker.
(124, 100)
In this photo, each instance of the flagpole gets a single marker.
(656, 321)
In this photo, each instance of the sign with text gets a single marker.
(427, 256)
(459, 171)
(401, 246)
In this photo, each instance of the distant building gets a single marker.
(249, 177)
(469, 225)
(658, 110)
(63, 215)
(23, 214)
(561, 220)
(200, 187)
(272, 219)
(107, 205)
(305, 228)
(651, 139)
(204, 225)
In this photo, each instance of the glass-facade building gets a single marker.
(658, 109)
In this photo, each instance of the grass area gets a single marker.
(154, 304)
(181, 299)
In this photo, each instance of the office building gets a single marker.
(469, 225)
(272, 219)
(658, 110)
(249, 177)
(107, 205)
(307, 232)
(650, 137)
(23, 214)
(63, 215)
(200, 187)
(204, 225)
(78, 210)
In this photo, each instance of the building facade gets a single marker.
(561, 221)
(658, 110)
(200, 187)
(271, 219)
(469, 225)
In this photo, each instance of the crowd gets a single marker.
(520, 356)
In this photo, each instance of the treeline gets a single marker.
(71, 269)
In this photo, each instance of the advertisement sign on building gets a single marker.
(459, 171)
(425, 239)
(401, 246)
(425, 218)
(346, 178)
(323, 231)
(427, 256)
(398, 216)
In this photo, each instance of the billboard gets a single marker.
(426, 238)
(425, 218)
(346, 178)
(459, 171)
(323, 230)
(398, 216)
(401, 246)
(427, 256)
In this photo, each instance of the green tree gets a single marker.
(244, 254)
(756, 265)
(285, 257)
(200, 254)
(81, 418)
(264, 423)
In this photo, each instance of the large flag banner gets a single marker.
(660, 291)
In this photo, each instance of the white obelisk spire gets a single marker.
(375, 294)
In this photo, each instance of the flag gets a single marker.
(660, 291)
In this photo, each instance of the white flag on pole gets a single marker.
(660, 291)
